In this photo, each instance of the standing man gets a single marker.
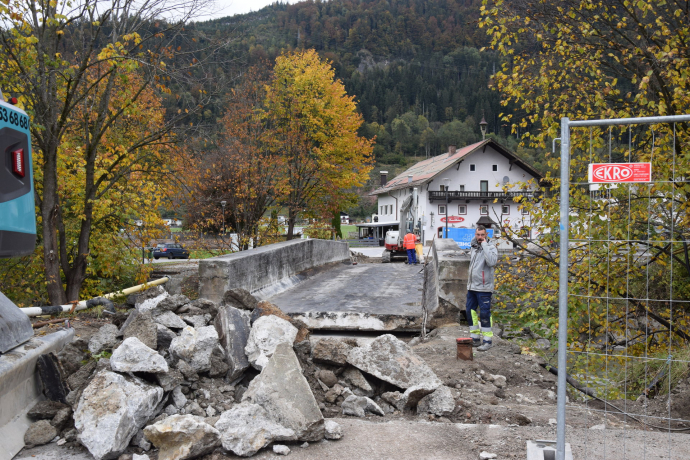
(409, 245)
(480, 286)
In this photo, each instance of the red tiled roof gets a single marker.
(427, 169)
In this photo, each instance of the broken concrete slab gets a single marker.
(284, 393)
(133, 356)
(392, 361)
(239, 298)
(331, 351)
(357, 381)
(39, 433)
(45, 410)
(197, 321)
(333, 430)
(173, 302)
(358, 321)
(150, 298)
(266, 334)
(111, 410)
(281, 449)
(181, 437)
(440, 403)
(233, 330)
(104, 339)
(168, 319)
(247, 428)
(164, 336)
(141, 325)
(359, 406)
(265, 308)
(15, 326)
(195, 346)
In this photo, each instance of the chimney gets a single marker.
(409, 178)
(384, 178)
(451, 150)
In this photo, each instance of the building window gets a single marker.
(505, 209)
(462, 209)
(484, 210)
(390, 210)
(461, 188)
(524, 210)
(494, 167)
(525, 232)
(381, 210)
(442, 188)
(484, 186)
(473, 168)
(442, 209)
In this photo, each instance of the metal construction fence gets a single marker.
(624, 286)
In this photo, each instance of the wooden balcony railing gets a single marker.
(455, 195)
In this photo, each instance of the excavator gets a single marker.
(17, 212)
(408, 222)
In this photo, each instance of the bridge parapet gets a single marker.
(267, 267)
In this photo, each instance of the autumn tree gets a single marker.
(242, 170)
(602, 59)
(313, 125)
(65, 62)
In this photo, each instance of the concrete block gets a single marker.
(15, 327)
(20, 388)
(266, 266)
(546, 450)
(452, 265)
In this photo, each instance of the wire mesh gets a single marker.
(625, 288)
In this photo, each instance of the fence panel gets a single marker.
(624, 283)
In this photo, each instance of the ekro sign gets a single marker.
(602, 173)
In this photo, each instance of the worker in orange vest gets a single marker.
(409, 245)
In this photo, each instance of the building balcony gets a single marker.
(457, 195)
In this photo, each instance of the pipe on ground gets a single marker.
(84, 304)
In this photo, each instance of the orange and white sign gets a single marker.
(453, 219)
(615, 173)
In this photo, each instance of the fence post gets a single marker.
(563, 287)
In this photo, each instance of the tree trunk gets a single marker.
(292, 217)
(49, 217)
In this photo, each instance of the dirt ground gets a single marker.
(487, 418)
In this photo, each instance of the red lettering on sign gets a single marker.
(453, 219)
(620, 172)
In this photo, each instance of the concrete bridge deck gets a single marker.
(382, 289)
(363, 297)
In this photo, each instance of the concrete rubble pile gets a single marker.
(186, 378)
(189, 378)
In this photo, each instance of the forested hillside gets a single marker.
(414, 66)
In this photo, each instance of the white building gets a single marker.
(481, 183)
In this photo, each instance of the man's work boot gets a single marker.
(485, 346)
(476, 343)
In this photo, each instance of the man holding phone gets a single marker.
(480, 287)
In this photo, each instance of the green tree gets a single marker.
(314, 126)
(586, 60)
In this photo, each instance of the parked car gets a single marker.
(171, 251)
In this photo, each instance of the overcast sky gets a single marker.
(224, 8)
